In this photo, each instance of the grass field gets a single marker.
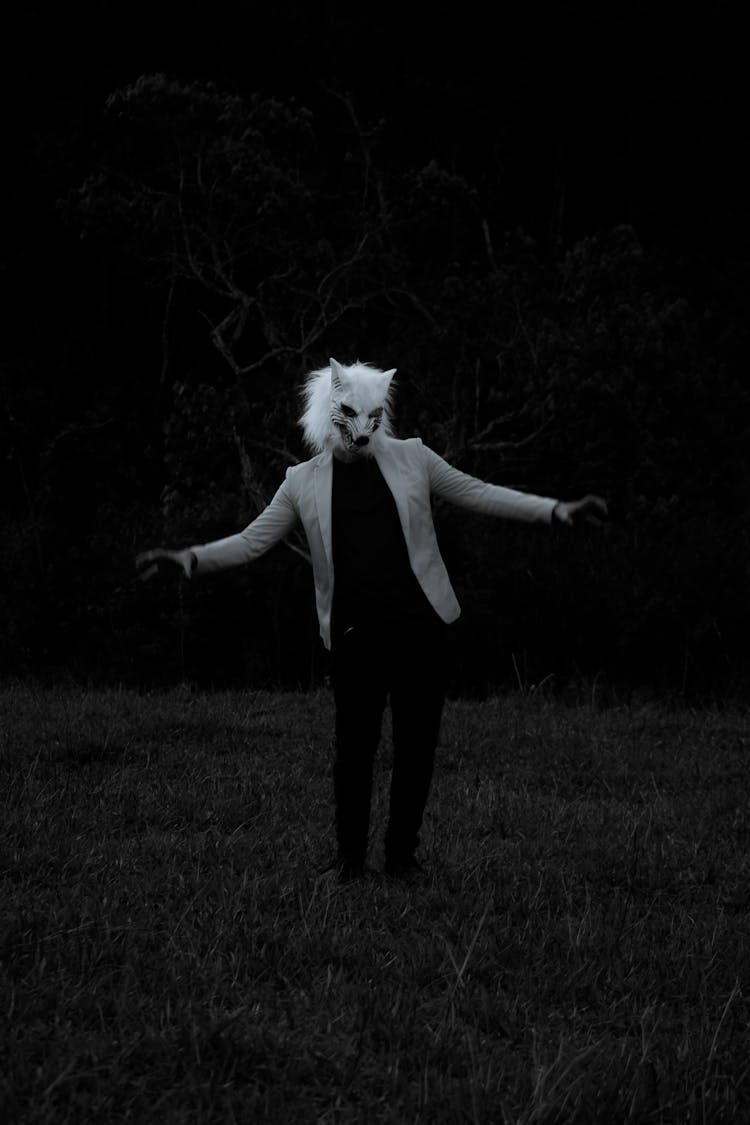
(170, 952)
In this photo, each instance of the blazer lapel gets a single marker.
(323, 487)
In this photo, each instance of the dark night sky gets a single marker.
(587, 115)
(637, 114)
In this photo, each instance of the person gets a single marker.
(384, 598)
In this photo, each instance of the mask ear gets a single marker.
(389, 374)
(336, 373)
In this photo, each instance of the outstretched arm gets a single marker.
(495, 500)
(272, 525)
(479, 496)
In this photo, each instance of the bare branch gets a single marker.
(165, 332)
(415, 301)
(279, 450)
(503, 420)
(488, 246)
(362, 137)
(217, 338)
(500, 446)
(524, 330)
(344, 265)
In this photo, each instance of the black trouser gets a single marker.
(369, 666)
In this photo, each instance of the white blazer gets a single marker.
(414, 473)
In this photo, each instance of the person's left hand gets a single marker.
(571, 513)
(167, 564)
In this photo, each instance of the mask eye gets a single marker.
(347, 410)
(377, 414)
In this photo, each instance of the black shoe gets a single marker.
(349, 870)
(345, 870)
(404, 867)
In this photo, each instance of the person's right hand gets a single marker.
(167, 564)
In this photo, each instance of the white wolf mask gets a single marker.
(347, 408)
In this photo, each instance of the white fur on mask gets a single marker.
(347, 408)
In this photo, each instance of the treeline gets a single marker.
(225, 246)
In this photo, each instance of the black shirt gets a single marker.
(373, 580)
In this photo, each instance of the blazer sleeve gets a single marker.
(479, 496)
(274, 523)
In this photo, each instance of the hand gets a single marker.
(167, 564)
(592, 509)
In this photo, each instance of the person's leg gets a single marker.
(418, 679)
(359, 687)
